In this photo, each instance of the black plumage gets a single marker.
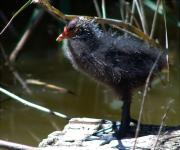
(120, 62)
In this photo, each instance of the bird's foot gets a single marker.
(105, 133)
(112, 132)
(107, 138)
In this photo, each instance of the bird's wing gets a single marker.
(128, 62)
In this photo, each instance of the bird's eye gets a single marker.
(71, 27)
(72, 24)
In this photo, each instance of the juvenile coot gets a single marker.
(120, 62)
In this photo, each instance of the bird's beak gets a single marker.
(63, 35)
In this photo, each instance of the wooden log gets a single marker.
(78, 129)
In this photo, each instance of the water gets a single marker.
(25, 125)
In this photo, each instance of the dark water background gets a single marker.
(41, 59)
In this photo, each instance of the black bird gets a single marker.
(120, 62)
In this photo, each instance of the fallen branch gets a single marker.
(32, 105)
(51, 86)
(15, 146)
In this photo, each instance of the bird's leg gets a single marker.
(121, 131)
(125, 115)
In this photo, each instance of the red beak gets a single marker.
(63, 35)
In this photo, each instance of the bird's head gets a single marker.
(79, 27)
